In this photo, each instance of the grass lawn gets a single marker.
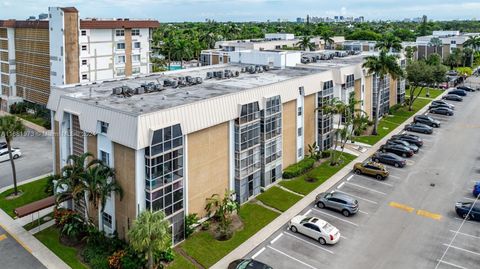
(322, 172)
(180, 263)
(35, 223)
(207, 250)
(434, 93)
(32, 192)
(50, 238)
(278, 198)
(390, 122)
(31, 118)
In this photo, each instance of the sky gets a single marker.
(248, 10)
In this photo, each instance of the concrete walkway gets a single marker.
(42, 227)
(255, 240)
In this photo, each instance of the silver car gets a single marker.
(337, 201)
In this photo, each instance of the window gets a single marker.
(120, 46)
(84, 76)
(84, 62)
(135, 32)
(103, 127)
(121, 59)
(105, 157)
(136, 70)
(301, 91)
(300, 152)
(84, 32)
(300, 111)
(299, 131)
(136, 58)
(84, 47)
(136, 45)
(107, 219)
(119, 32)
(120, 71)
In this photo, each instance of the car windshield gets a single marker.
(306, 220)
(328, 228)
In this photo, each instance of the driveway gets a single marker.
(13, 255)
(36, 158)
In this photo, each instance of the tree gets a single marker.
(150, 234)
(389, 42)
(326, 35)
(361, 34)
(182, 50)
(223, 209)
(434, 59)
(410, 52)
(419, 76)
(435, 42)
(382, 66)
(305, 44)
(472, 42)
(11, 126)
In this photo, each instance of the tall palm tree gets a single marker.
(305, 44)
(182, 50)
(435, 42)
(472, 42)
(388, 42)
(382, 66)
(326, 36)
(11, 126)
(150, 234)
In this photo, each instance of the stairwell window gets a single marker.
(84, 32)
(103, 127)
(107, 220)
(84, 47)
(105, 157)
(84, 76)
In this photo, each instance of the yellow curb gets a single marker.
(402, 207)
(430, 215)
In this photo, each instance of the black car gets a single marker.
(465, 88)
(404, 143)
(463, 210)
(426, 120)
(389, 158)
(458, 92)
(419, 128)
(442, 111)
(442, 102)
(440, 105)
(248, 264)
(452, 97)
(3, 145)
(397, 149)
(410, 138)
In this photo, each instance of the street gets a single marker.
(406, 221)
(13, 255)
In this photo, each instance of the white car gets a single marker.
(4, 156)
(315, 228)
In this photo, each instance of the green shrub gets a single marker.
(394, 108)
(190, 221)
(326, 154)
(299, 168)
(133, 260)
(166, 256)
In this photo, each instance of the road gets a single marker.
(13, 255)
(36, 158)
(406, 221)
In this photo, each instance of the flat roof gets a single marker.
(101, 93)
(336, 62)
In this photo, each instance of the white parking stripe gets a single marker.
(469, 235)
(370, 189)
(471, 199)
(376, 181)
(341, 185)
(347, 221)
(358, 197)
(308, 212)
(462, 249)
(258, 253)
(363, 212)
(310, 243)
(451, 264)
(276, 238)
(350, 177)
(396, 177)
(295, 259)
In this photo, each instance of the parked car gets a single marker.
(337, 201)
(248, 264)
(3, 145)
(442, 111)
(458, 92)
(476, 189)
(315, 228)
(389, 158)
(463, 210)
(426, 120)
(465, 88)
(452, 97)
(442, 102)
(419, 128)
(440, 105)
(403, 143)
(379, 171)
(410, 138)
(4, 156)
(400, 150)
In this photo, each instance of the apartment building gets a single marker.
(63, 49)
(448, 41)
(175, 138)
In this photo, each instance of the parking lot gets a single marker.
(36, 159)
(405, 221)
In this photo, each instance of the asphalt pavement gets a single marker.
(13, 255)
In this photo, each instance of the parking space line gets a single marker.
(430, 215)
(3, 236)
(350, 177)
(308, 212)
(310, 243)
(471, 199)
(363, 212)
(341, 185)
(276, 238)
(347, 221)
(396, 177)
(462, 249)
(451, 264)
(401, 206)
(258, 253)
(469, 235)
(295, 259)
(376, 181)
(360, 186)
(358, 197)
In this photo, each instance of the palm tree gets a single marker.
(388, 42)
(224, 209)
(182, 50)
(150, 234)
(435, 42)
(382, 66)
(472, 42)
(305, 44)
(11, 126)
(326, 36)
(410, 52)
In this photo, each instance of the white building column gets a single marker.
(140, 180)
(300, 125)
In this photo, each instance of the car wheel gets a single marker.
(425, 132)
(396, 165)
(404, 155)
(376, 160)
(346, 213)
(15, 156)
(379, 177)
(358, 172)
(294, 229)
(466, 216)
(322, 241)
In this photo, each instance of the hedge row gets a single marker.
(299, 168)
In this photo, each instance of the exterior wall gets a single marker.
(71, 48)
(368, 96)
(128, 52)
(393, 92)
(358, 94)
(309, 118)
(289, 133)
(208, 165)
(56, 129)
(57, 51)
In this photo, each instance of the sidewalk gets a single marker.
(30, 243)
(281, 220)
